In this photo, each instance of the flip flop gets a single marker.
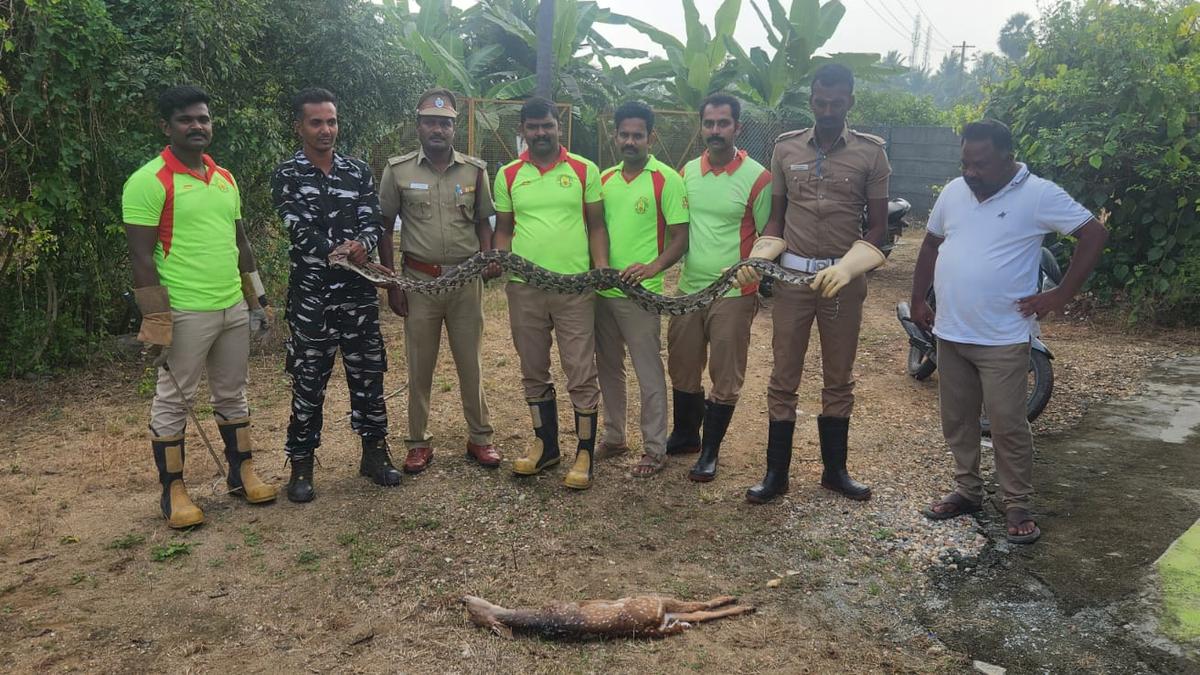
(962, 506)
(655, 464)
(1015, 517)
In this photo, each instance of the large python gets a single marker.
(592, 280)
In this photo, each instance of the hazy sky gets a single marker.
(869, 25)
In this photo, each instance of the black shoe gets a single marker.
(688, 413)
(376, 463)
(716, 422)
(779, 459)
(300, 485)
(834, 432)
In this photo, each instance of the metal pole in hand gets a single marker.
(192, 414)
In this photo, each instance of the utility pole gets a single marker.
(962, 63)
(928, 41)
(916, 41)
(545, 48)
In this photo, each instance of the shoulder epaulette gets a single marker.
(402, 158)
(473, 161)
(790, 134)
(877, 140)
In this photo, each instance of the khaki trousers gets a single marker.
(535, 315)
(972, 377)
(462, 313)
(620, 323)
(838, 321)
(723, 327)
(214, 342)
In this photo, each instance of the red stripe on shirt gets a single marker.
(510, 175)
(748, 231)
(166, 218)
(581, 173)
(660, 182)
(607, 174)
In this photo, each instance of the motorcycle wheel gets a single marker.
(920, 366)
(1041, 387)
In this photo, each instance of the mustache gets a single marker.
(715, 138)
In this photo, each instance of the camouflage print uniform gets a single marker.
(327, 308)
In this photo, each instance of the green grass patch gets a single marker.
(131, 540)
(171, 551)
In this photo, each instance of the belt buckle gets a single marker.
(821, 264)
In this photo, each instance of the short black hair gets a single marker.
(537, 107)
(833, 74)
(634, 110)
(989, 130)
(310, 95)
(719, 99)
(178, 98)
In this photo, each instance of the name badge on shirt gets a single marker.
(798, 167)
(419, 186)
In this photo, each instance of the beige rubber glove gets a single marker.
(860, 259)
(767, 248)
(256, 302)
(155, 306)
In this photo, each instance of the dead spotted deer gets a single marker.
(641, 616)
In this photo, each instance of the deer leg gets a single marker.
(698, 617)
(673, 605)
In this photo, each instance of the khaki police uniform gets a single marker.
(826, 194)
(438, 213)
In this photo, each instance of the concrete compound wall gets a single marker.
(921, 158)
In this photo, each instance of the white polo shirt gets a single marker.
(990, 255)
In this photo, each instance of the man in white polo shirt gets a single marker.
(981, 256)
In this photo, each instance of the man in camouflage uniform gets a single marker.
(444, 199)
(328, 204)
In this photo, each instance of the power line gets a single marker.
(897, 31)
(930, 20)
(918, 14)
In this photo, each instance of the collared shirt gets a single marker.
(990, 255)
(547, 206)
(438, 210)
(637, 213)
(320, 212)
(729, 206)
(827, 192)
(196, 255)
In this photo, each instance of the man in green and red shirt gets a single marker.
(548, 211)
(645, 208)
(729, 205)
(198, 289)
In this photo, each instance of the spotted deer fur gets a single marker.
(641, 616)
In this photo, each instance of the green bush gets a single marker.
(1105, 105)
(78, 81)
(882, 108)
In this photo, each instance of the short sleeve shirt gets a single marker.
(547, 206)
(990, 253)
(827, 192)
(729, 206)
(637, 213)
(196, 216)
(438, 210)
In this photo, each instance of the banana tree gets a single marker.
(795, 34)
(692, 69)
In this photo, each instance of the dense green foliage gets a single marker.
(78, 81)
(1105, 105)
(875, 107)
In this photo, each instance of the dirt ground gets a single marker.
(367, 578)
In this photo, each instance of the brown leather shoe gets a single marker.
(487, 455)
(610, 450)
(418, 459)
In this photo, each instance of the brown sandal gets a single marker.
(648, 465)
(1016, 517)
(961, 507)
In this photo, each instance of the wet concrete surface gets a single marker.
(1113, 494)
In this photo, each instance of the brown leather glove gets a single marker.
(155, 306)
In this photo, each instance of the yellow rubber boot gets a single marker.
(242, 479)
(177, 506)
(580, 475)
(542, 451)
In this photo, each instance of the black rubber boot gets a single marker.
(580, 475)
(688, 413)
(543, 451)
(834, 432)
(300, 485)
(716, 422)
(779, 460)
(242, 479)
(376, 463)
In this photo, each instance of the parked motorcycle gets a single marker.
(922, 345)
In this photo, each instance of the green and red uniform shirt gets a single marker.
(729, 207)
(196, 255)
(549, 228)
(638, 213)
